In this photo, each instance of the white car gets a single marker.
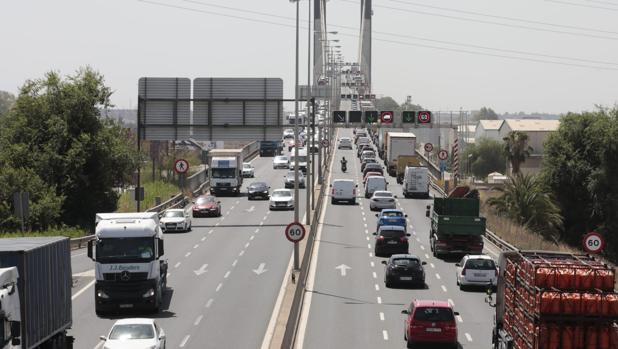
(476, 270)
(288, 132)
(175, 219)
(290, 177)
(280, 161)
(344, 143)
(382, 199)
(281, 199)
(135, 333)
(248, 170)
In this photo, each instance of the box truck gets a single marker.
(225, 171)
(396, 144)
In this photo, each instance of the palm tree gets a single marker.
(516, 149)
(526, 201)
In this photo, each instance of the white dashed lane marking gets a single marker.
(377, 287)
(218, 287)
(184, 341)
(177, 265)
(209, 303)
(385, 335)
(197, 321)
(372, 264)
(235, 261)
(431, 265)
(187, 254)
(379, 300)
(437, 276)
(381, 316)
(227, 274)
(196, 246)
(443, 288)
(375, 276)
(468, 337)
(203, 238)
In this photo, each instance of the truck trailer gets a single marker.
(35, 293)
(225, 171)
(554, 300)
(397, 144)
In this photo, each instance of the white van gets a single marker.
(343, 190)
(374, 183)
(416, 182)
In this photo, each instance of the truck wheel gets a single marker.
(410, 345)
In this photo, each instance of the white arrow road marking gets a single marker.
(201, 270)
(343, 268)
(260, 270)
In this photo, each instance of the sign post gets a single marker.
(295, 232)
(593, 242)
(181, 166)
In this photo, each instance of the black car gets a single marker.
(362, 147)
(391, 239)
(373, 167)
(404, 268)
(367, 161)
(258, 190)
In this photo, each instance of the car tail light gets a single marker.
(353, 192)
(333, 193)
(463, 272)
(380, 238)
(403, 239)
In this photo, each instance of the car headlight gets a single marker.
(102, 294)
(149, 293)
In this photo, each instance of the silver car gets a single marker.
(289, 179)
(280, 161)
(175, 219)
(382, 199)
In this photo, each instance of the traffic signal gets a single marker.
(424, 117)
(355, 116)
(339, 116)
(408, 117)
(371, 116)
(386, 117)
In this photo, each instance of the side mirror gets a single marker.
(356, 185)
(457, 264)
(162, 337)
(330, 185)
(90, 245)
(423, 263)
(377, 215)
(161, 247)
(456, 313)
(375, 233)
(428, 207)
(408, 235)
(218, 202)
(405, 311)
(395, 196)
(405, 215)
(103, 338)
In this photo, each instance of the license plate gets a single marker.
(405, 278)
(126, 305)
(433, 329)
(392, 242)
(478, 275)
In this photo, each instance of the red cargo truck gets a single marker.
(549, 300)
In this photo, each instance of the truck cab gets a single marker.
(10, 315)
(130, 270)
(225, 171)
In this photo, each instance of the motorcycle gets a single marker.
(344, 167)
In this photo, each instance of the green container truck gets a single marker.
(456, 226)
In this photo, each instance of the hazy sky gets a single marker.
(441, 52)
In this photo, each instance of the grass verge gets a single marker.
(64, 231)
(165, 190)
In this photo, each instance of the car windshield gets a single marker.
(246, 165)
(132, 331)
(223, 172)
(125, 250)
(406, 262)
(172, 214)
(383, 194)
(290, 175)
(433, 314)
(392, 233)
(258, 185)
(480, 264)
(205, 200)
(392, 214)
(281, 158)
(281, 194)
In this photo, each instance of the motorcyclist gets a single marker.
(344, 164)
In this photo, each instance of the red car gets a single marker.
(372, 173)
(206, 205)
(429, 321)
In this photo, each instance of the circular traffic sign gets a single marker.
(428, 147)
(386, 117)
(424, 117)
(295, 232)
(443, 155)
(325, 143)
(181, 166)
(593, 242)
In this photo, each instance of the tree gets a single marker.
(54, 135)
(581, 166)
(6, 101)
(528, 202)
(485, 114)
(516, 149)
(485, 157)
(386, 103)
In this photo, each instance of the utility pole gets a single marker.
(296, 140)
(310, 158)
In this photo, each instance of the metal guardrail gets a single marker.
(179, 200)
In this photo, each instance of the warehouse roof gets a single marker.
(527, 125)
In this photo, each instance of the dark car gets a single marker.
(391, 239)
(367, 161)
(361, 148)
(404, 268)
(371, 167)
(205, 206)
(258, 190)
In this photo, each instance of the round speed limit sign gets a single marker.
(593, 242)
(295, 232)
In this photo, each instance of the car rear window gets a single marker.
(406, 262)
(392, 233)
(392, 214)
(433, 314)
(385, 195)
(480, 264)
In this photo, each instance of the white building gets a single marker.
(488, 129)
(537, 130)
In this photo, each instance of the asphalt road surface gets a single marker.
(347, 304)
(244, 255)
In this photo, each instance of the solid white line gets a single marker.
(381, 316)
(431, 265)
(196, 246)
(219, 287)
(235, 261)
(226, 275)
(99, 345)
(241, 253)
(83, 289)
(375, 276)
(372, 264)
(203, 238)
(252, 237)
(437, 276)
(187, 254)
(443, 288)
(177, 265)
(377, 287)
(385, 335)
(379, 300)
(209, 303)
(184, 341)
(197, 321)
(468, 337)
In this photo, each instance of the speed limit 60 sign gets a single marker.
(295, 232)
(593, 242)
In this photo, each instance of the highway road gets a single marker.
(224, 276)
(347, 304)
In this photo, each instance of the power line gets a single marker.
(412, 37)
(491, 22)
(505, 17)
(582, 5)
(384, 40)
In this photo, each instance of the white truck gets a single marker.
(130, 270)
(396, 144)
(302, 160)
(416, 182)
(225, 171)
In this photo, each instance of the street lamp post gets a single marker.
(296, 167)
